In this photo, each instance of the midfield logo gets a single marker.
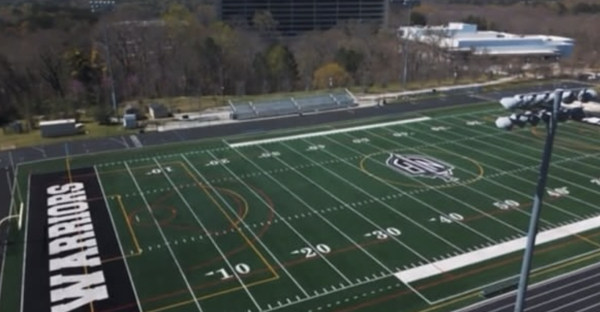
(421, 166)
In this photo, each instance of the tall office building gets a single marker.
(295, 16)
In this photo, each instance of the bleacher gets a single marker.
(292, 105)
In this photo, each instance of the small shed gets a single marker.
(58, 128)
(157, 110)
(130, 121)
(133, 109)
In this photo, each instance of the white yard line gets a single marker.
(377, 226)
(210, 237)
(328, 132)
(432, 208)
(220, 149)
(383, 266)
(22, 304)
(457, 200)
(248, 227)
(519, 209)
(517, 177)
(328, 293)
(112, 221)
(536, 140)
(162, 234)
(555, 177)
(488, 253)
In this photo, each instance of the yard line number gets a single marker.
(401, 134)
(440, 128)
(361, 140)
(558, 192)
(315, 147)
(450, 218)
(310, 252)
(381, 235)
(240, 268)
(474, 123)
(507, 204)
(595, 181)
(159, 171)
(217, 162)
(270, 154)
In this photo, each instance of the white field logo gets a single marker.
(72, 245)
(421, 166)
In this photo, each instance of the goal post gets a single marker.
(20, 217)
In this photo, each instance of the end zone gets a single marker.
(69, 236)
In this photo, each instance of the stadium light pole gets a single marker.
(101, 6)
(537, 202)
(547, 108)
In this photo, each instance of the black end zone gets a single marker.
(70, 234)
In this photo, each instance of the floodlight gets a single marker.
(504, 123)
(511, 102)
(527, 101)
(569, 97)
(534, 120)
(587, 95)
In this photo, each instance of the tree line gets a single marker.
(54, 59)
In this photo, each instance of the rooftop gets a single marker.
(466, 37)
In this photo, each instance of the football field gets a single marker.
(413, 214)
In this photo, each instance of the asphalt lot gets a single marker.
(11, 158)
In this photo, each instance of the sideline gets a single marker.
(488, 253)
(328, 132)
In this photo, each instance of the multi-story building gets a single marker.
(295, 16)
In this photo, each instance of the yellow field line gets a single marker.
(204, 188)
(587, 240)
(129, 226)
(68, 166)
(181, 303)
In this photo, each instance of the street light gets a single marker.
(101, 6)
(544, 107)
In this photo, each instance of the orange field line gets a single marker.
(250, 244)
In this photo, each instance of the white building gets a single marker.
(461, 37)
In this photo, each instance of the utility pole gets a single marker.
(102, 6)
